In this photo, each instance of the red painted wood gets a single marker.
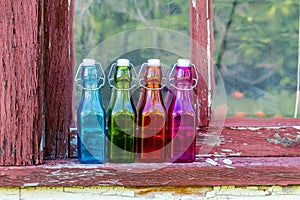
(59, 76)
(252, 141)
(243, 171)
(21, 90)
(259, 122)
(199, 35)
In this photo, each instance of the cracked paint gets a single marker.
(285, 141)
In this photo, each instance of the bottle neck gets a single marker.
(183, 77)
(153, 96)
(123, 77)
(122, 83)
(121, 95)
(91, 94)
(153, 76)
(90, 81)
(183, 83)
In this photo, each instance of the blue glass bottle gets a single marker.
(182, 115)
(121, 114)
(91, 125)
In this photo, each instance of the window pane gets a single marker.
(100, 31)
(256, 51)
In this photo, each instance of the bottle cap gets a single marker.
(122, 62)
(89, 62)
(183, 62)
(154, 62)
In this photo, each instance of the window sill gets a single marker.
(242, 171)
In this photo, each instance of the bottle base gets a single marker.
(122, 160)
(184, 161)
(91, 161)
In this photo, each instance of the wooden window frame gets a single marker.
(262, 151)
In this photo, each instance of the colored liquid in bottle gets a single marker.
(183, 138)
(152, 117)
(91, 139)
(122, 137)
(153, 137)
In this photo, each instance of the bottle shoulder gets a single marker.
(91, 115)
(182, 106)
(156, 109)
(87, 108)
(121, 105)
(122, 111)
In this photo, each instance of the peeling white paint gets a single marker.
(227, 150)
(30, 184)
(236, 154)
(246, 128)
(118, 193)
(285, 141)
(227, 161)
(77, 166)
(194, 2)
(73, 129)
(275, 127)
(296, 127)
(211, 161)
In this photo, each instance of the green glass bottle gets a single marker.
(121, 114)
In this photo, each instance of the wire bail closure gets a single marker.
(186, 89)
(143, 79)
(78, 81)
(110, 79)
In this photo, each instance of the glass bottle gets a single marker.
(91, 136)
(121, 114)
(152, 116)
(182, 115)
(138, 140)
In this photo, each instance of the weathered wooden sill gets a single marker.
(243, 171)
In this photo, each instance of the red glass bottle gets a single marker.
(152, 116)
(182, 115)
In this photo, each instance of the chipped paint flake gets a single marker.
(236, 154)
(211, 161)
(227, 161)
(246, 128)
(30, 184)
(227, 150)
(285, 141)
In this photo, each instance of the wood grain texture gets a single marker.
(21, 92)
(201, 13)
(58, 76)
(243, 171)
(251, 141)
(259, 122)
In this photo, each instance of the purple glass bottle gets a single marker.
(182, 115)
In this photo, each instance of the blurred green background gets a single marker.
(256, 46)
